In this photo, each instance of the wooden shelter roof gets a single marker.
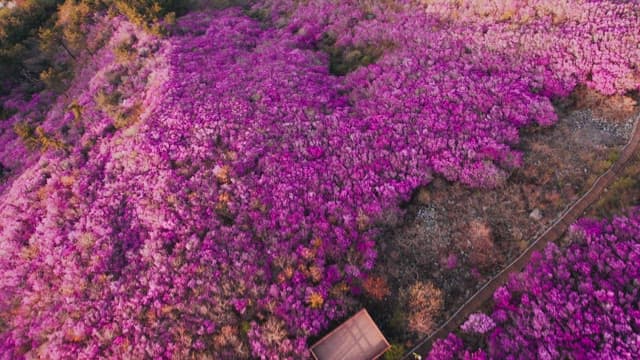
(358, 338)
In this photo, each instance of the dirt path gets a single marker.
(553, 233)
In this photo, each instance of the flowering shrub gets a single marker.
(558, 43)
(219, 189)
(478, 323)
(446, 349)
(582, 41)
(580, 302)
(452, 348)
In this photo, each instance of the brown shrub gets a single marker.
(424, 196)
(479, 244)
(228, 340)
(424, 304)
(376, 287)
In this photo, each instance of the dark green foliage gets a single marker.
(20, 56)
(41, 39)
(152, 15)
(344, 60)
(396, 352)
(126, 117)
(124, 51)
(3, 170)
(35, 138)
(56, 78)
(72, 19)
(106, 100)
(623, 193)
(5, 113)
(26, 133)
(76, 109)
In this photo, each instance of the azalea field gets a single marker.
(232, 179)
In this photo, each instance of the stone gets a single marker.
(536, 214)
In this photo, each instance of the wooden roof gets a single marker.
(358, 338)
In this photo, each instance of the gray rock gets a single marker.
(536, 214)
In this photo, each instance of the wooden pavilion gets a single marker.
(358, 338)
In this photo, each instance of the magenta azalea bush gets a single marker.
(580, 302)
(216, 193)
(453, 348)
(478, 323)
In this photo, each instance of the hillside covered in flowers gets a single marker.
(211, 180)
(579, 302)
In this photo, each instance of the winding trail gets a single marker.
(552, 233)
